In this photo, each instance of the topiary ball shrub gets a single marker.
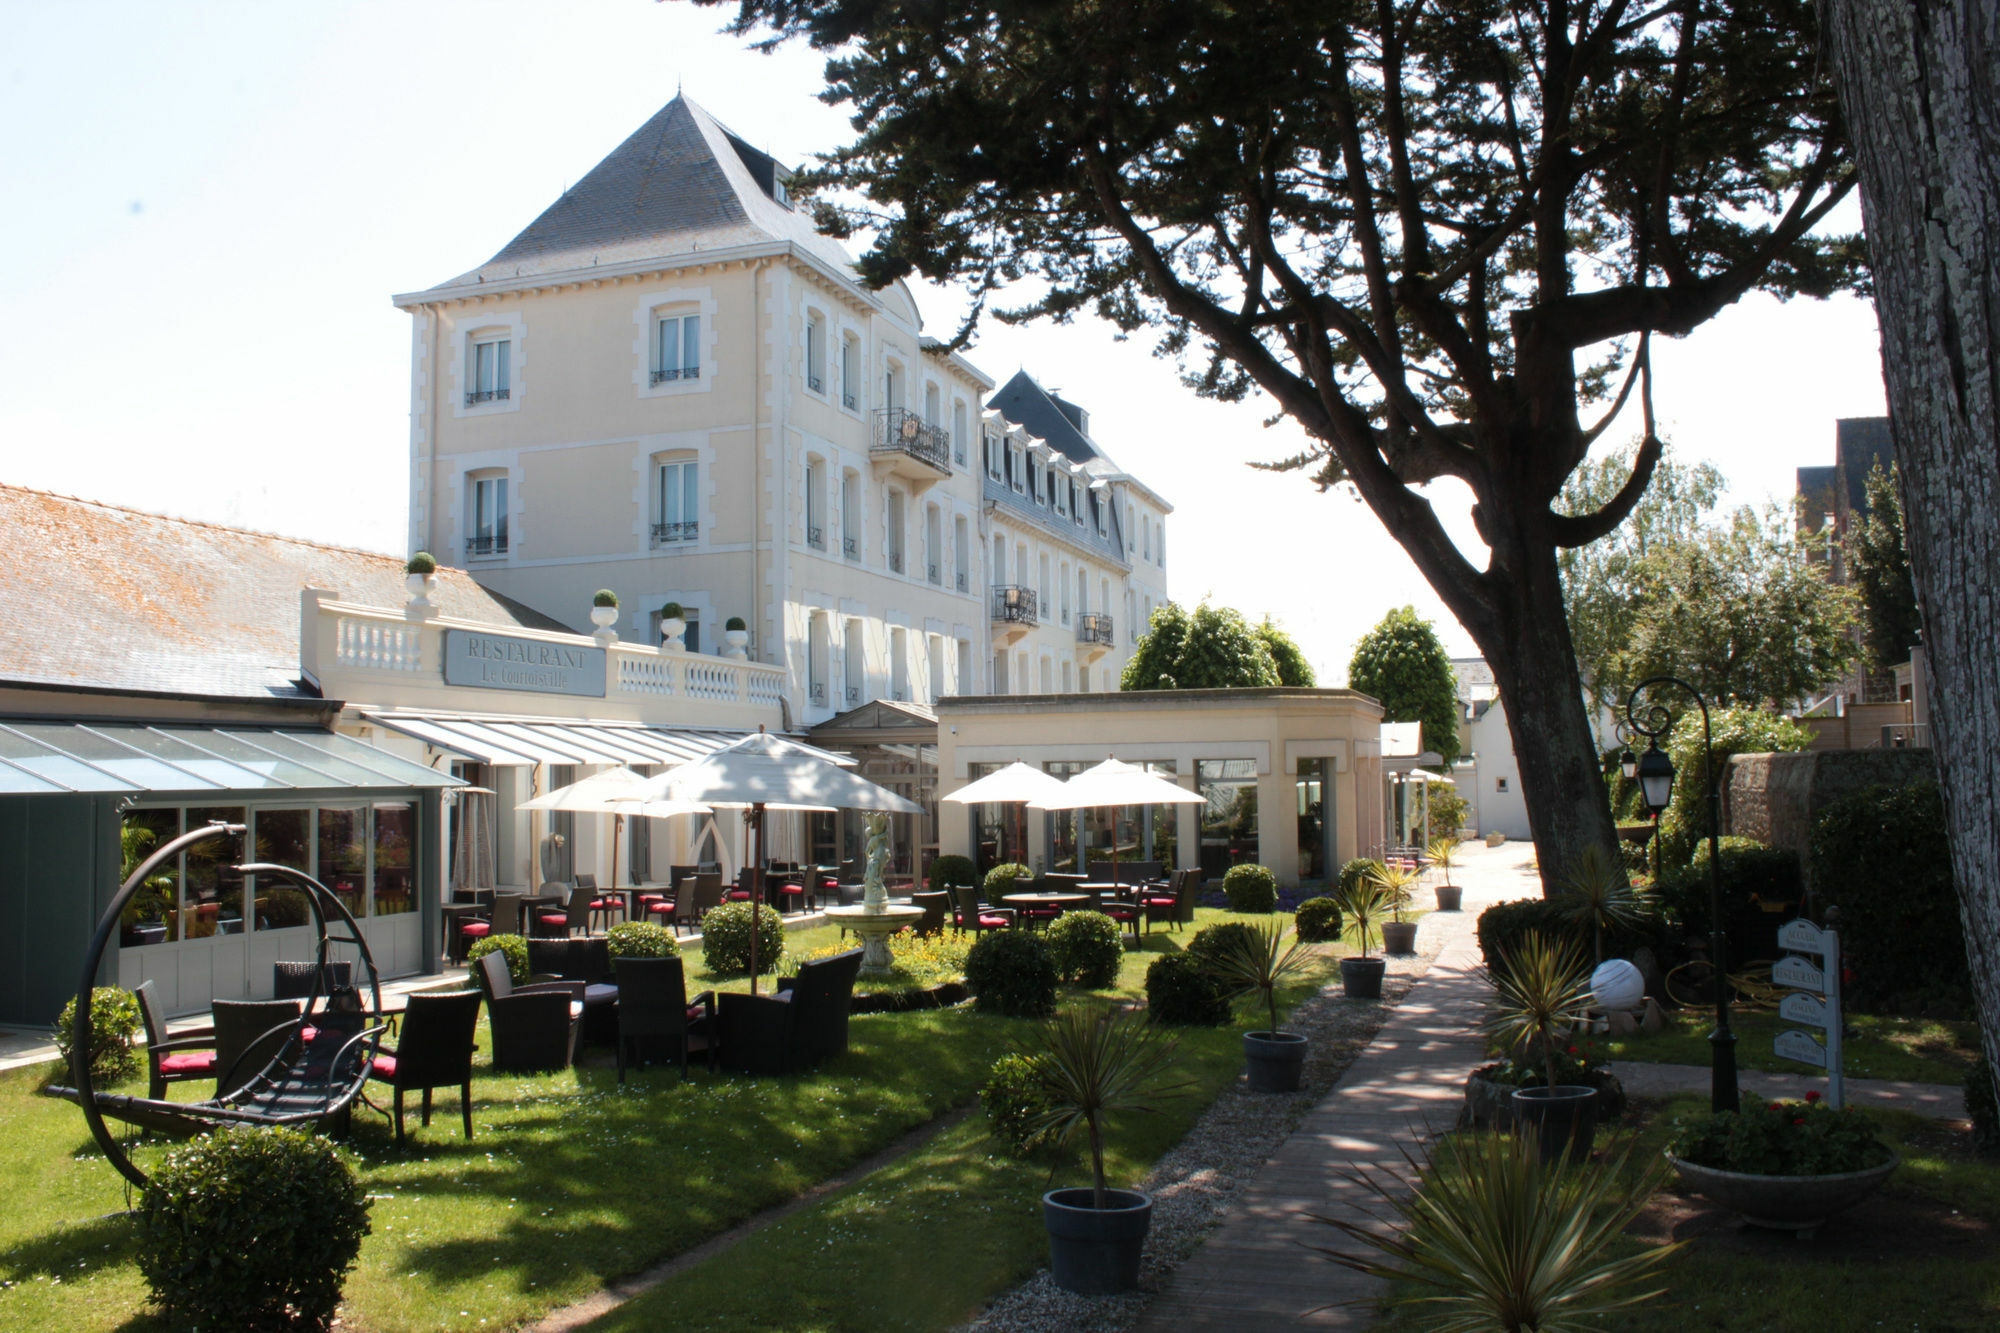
(1011, 972)
(1318, 920)
(1087, 947)
(734, 624)
(1358, 870)
(1006, 878)
(1180, 992)
(423, 562)
(514, 946)
(725, 939)
(1213, 943)
(1250, 889)
(954, 872)
(604, 597)
(642, 939)
(114, 1034)
(1980, 1107)
(251, 1228)
(1014, 1099)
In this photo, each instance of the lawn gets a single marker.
(1919, 1050)
(572, 1180)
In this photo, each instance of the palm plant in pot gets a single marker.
(1397, 879)
(1093, 1065)
(1542, 990)
(1444, 851)
(1260, 961)
(1363, 904)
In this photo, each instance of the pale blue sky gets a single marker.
(208, 206)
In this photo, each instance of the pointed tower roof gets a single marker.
(681, 183)
(1028, 405)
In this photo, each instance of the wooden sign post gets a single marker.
(1814, 1002)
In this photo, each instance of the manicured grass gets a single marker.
(570, 1180)
(1915, 1049)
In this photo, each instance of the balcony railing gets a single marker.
(853, 696)
(850, 402)
(663, 533)
(895, 562)
(487, 545)
(814, 383)
(1094, 627)
(1015, 605)
(899, 430)
(818, 692)
(667, 375)
(934, 576)
(474, 397)
(851, 547)
(815, 536)
(962, 581)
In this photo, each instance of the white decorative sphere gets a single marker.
(1617, 985)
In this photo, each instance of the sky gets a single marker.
(210, 205)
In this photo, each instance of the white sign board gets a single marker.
(1798, 1007)
(504, 662)
(1796, 1045)
(1809, 1009)
(1798, 974)
(1803, 936)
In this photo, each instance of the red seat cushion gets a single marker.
(791, 888)
(1121, 913)
(562, 920)
(601, 903)
(985, 922)
(697, 1012)
(1161, 902)
(308, 1035)
(476, 929)
(659, 908)
(188, 1062)
(385, 1067)
(739, 896)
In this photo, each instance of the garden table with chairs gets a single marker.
(1045, 905)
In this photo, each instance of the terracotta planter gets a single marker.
(1783, 1203)
(1399, 937)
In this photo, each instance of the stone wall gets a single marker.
(1774, 798)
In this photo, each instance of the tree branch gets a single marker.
(1582, 529)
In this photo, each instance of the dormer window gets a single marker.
(1017, 468)
(778, 191)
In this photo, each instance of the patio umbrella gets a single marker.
(1112, 784)
(617, 792)
(763, 772)
(1016, 784)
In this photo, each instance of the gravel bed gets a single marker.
(1195, 1180)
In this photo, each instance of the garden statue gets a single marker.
(875, 919)
(874, 896)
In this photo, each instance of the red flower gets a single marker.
(1776, 1106)
(1798, 1120)
(1572, 1050)
(1812, 1096)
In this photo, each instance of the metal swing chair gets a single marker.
(317, 1071)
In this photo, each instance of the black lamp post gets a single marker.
(1655, 772)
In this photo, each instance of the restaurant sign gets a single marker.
(498, 662)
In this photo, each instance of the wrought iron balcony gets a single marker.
(490, 544)
(895, 562)
(814, 383)
(818, 692)
(663, 533)
(815, 536)
(1015, 605)
(961, 580)
(934, 576)
(474, 397)
(668, 374)
(853, 696)
(850, 402)
(1094, 627)
(851, 547)
(901, 431)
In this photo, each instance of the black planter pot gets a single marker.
(1273, 1060)
(1563, 1119)
(1450, 896)
(1095, 1251)
(1399, 937)
(1361, 978)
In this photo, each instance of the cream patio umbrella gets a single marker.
(617, 792)
(1111, 784)
(1016, 784)
(763, 772)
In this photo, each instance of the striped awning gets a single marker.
(501, 740)
(44, 757)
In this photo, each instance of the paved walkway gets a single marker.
(1253, 1271)
(1940, 1101)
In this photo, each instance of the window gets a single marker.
(958, 435)
(895, 532)
(1076, 503)
(1082, 590)
(934, 545)
(815, 352)
(935, 685)
(492, 370)
(676, 502)
(1035, 479)
(1059, 492)
(1064, 582)
(857, 661)
(816, 503)
(933, 410)
(1146, 533)
(1229, 816)
(676, 348)
(1097, 507)
(961, 546)
(965, 666)
(1017, 468)
(993, 458)
(1066, 688)
(1499, 784)
(1160, 545)
(899, 664)
(488, 536)
(819, 649)
(850, 514)
(850, 373)
(1131, 537)
(892, 384)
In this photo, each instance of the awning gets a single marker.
(53, 757)
(504, 740)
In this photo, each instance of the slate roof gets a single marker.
(681, 183)
(1028, 405)
(102, 596)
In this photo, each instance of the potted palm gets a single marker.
(1093, 1065)
(1541, 992)
(1258, 962)
(1598, 894)
(1444, 851)
(1363, 904)
(1397, 879)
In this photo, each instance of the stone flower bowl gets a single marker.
(1783, 1203)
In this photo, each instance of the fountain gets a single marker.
(876, 918)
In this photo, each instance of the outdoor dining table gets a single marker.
(1062, 902)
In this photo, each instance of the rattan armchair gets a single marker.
(434, 1051)
(802, 1024)
(654, 1010)
(533, 1026)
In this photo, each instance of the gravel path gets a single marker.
(1197, 1178)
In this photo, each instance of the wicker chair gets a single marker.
(698, 897)
(534, 1026)
(653, 1008)
(1176, 906)
(803, 1023)
(247, 1034)
(967, 914)
(434, 1051)
(294, 981)
(181, 1059)
(936, 905)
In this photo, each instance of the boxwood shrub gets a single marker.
(1180, 992)
(1250, 889)
(1087, 948)
(1357, 870)
(1211, 943)
(725, 939)
(1014, 1098)
(514, 946)
(251, 1228)
(114, 1034)
(1502, 927)
(1004, 878)
(1750, 871)
(1318, 920)
(951, 871)
(1011, 972)
(642, 939)
(1882, 856)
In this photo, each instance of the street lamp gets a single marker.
(1628, 765)
(1655, 772)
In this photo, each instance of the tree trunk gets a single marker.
(1917, 87)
